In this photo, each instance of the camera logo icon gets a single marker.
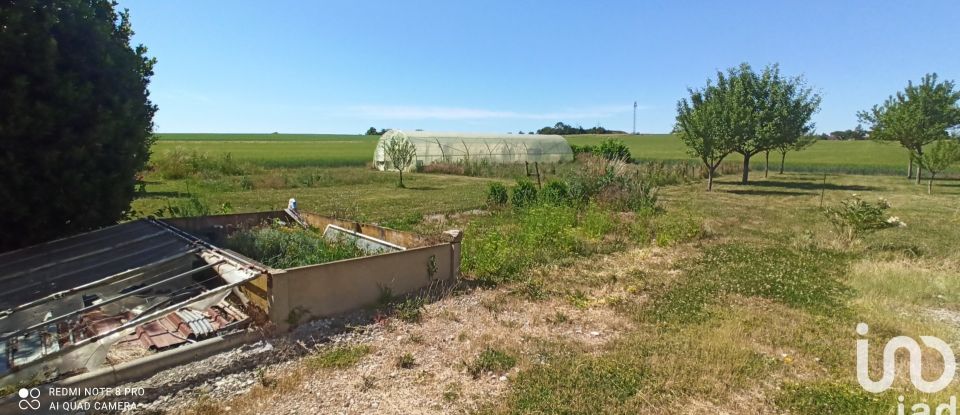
(28, 398)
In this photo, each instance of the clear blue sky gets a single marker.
(497, 66)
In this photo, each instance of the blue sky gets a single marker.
(498, 66)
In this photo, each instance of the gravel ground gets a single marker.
(273, 376)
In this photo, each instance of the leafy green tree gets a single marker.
(371, 131)
(781, 110)
(793, 105)
(401, 152)
(710, 121)
(745, 112)
(915, 117)
(76, 120)
(938, 157)
(800, 144)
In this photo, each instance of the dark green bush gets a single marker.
(497, 194)
(524, 194)
(556, 192)
(613, 149)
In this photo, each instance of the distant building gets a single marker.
(433, 147)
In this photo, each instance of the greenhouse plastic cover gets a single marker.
(432, 147)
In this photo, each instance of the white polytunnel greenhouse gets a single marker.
(434, 147)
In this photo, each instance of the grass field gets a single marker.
(740, 300)
(850, 157)
(278, 150)
(315, 150)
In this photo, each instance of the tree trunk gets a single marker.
(401, 178)
(783, 157)
(710, 178)
(930, 184)
(919, 174)
(766, 166)
(746, 168)
(910, 169)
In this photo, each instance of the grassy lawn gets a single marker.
(354, 192)
(757, 315)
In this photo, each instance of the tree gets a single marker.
(76, 120)
(938, 157)
(401, 152)
(780, 110)
(703, 121)
(794, 106)
(371, 131)
(915, 117)
(800, 144)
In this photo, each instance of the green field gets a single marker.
(329, 150)
(278, 150)
(851, 157)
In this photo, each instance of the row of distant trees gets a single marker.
(857, 133)
(564, 129)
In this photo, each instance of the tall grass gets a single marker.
(180, 163)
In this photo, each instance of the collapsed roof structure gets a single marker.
(109, 297)
(70, 300)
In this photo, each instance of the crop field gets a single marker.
(278, 150)
(331, 150)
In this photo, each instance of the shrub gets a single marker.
(406, 361)
(524, 194)
(855, 217)
(613, 149)
(497, 194)
(556, 193)
(491, 360)
(584, 149)
(410, 310)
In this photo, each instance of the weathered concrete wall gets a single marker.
(324, 290)
(217, 227)
(404, 239)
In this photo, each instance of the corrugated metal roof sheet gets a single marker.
(40, 270)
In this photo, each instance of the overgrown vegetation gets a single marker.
(281, 246)
(180, 163)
